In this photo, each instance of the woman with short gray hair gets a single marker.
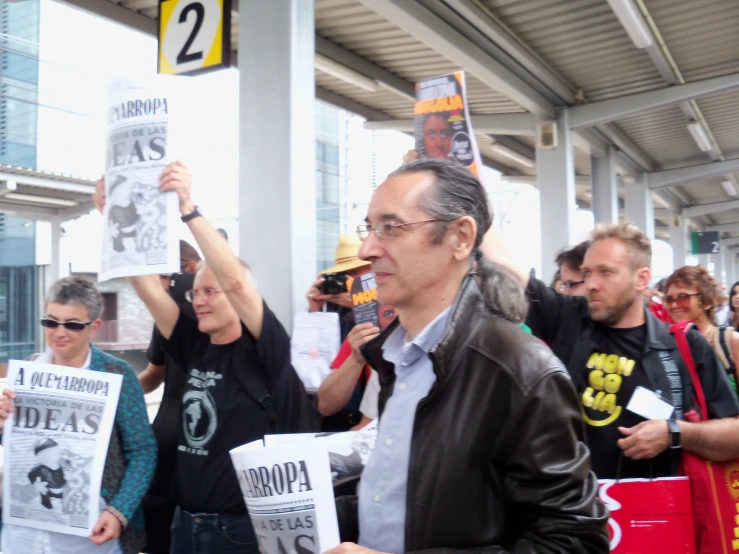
(73, 312)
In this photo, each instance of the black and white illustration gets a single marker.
(289, 496)
(199, 415)
(55, 443)
(138, 217)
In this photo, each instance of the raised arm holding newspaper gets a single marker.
(236, 344)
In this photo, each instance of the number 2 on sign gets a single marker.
(184, 56)
(716, 248)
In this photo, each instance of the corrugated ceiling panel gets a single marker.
(664, 137)
(583, 41)
(362, 31)
(700, 34)
(707, 192)
(722, 114)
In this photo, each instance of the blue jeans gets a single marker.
(212, 534)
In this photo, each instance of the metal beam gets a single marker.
(119, 14)
(519, 124)
(674, 177)
(30, 212)
(8, 186)
(50, 183)
(706, 209)
(724, 228)
(447, 41)
(349, 105)
(597, 113)
(516, 145)
(385, 78)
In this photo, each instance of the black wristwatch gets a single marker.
(674, 427)
(192, 215)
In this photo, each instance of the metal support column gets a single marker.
(556, 174)
(605, 188)
(55, 269)
(639, 205)
(678, 241)
(277, 200)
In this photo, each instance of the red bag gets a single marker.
(714, 485)
(649, 516)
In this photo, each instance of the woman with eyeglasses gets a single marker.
(73, 310)
(692, 295)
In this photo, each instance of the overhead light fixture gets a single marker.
(40, 199)
(346, 74)
(729, 187)
(633, 22)
(700, 136)
(512, 155)
(629, 179)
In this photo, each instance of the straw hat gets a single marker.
(347, 255)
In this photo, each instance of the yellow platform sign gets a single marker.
(194, 36)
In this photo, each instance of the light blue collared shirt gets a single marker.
(384, 484)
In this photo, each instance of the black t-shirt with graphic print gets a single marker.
(217, 414)
(613, 372)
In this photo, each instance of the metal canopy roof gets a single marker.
(534, 57)
(44, 195)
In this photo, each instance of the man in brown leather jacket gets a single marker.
(480, 445)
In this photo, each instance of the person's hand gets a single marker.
(6, 406)
(178, 177)
(314, 294)
(98, 197)
(351, 548)
(42, 487)
(360, 335)
(410, 156)
(106, 529)
(646, 440)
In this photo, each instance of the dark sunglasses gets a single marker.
(68, 325)
(682, 299)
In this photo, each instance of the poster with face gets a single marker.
(367, 309)
(442, 121)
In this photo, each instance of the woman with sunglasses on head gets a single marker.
(692, 295)
(734, 306)
(72, 318)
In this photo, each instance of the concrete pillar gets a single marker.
(678, 240)
(721, 265)
(55, 269)
(605, 188)
(277, 200)
(639, 205)
(556, 176)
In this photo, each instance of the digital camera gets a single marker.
(334, 283)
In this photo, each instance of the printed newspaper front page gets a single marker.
(138, 236)
(55, 444)
(442, 121)
(288, 493)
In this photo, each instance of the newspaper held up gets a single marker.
(289, 497)
(442, 121)
(138, 237)
(348, 452)
(55, 444)
(314, 344)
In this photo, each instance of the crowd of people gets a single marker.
(490, 439)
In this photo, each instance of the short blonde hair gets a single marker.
(629, 234)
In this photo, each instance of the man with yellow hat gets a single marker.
(341, 393)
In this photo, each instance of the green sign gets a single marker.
(706, 243)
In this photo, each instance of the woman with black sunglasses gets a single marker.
(72, 315)
(692, 295)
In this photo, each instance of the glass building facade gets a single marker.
(328, 184)
(19, 275)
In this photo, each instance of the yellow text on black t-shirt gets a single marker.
(606, 375)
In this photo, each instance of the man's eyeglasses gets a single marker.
(68, 325)
(389, 230)
(571, 284)
(682, 299)
(206, 293)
